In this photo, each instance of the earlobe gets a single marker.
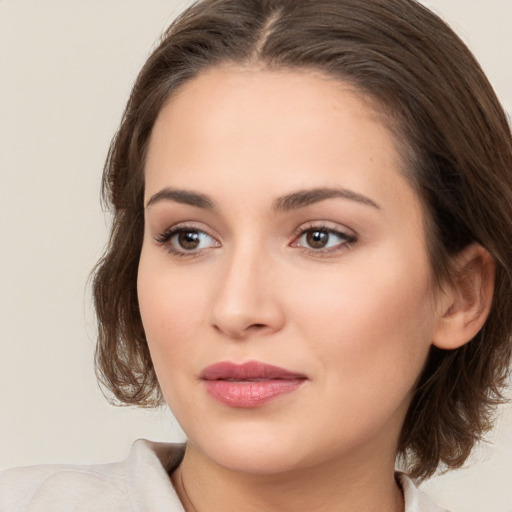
(466, 302)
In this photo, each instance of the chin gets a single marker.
(251, 450)
(255, 461)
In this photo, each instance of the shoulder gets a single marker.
(415, 499)
(112, 487)
(62, 487)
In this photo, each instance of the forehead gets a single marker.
(260, 132)
(243, 104)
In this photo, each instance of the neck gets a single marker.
(342, 486)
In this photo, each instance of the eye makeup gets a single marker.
(320, 239)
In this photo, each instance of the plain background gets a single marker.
(66, 70)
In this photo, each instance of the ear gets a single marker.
(465, 303)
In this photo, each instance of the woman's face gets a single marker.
(280, 231)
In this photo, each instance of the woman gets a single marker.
(304, 262)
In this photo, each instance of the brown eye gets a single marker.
(183, 241)
(188, 240)
(317, 239)
(324, 240)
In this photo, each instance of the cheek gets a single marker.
(171, 314)
(372, 329)
(169, 301)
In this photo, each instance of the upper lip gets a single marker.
(250, 370)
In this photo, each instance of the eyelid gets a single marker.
(323, 225)
(182, 226)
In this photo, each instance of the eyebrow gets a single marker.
(183, 197)
(303, 198)
(292, 201)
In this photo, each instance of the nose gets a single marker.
(246, 302)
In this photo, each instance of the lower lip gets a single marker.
(250, 393)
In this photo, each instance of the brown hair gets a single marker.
(455, 138)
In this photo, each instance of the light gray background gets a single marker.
(66, 69)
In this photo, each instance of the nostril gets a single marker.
(256, 327)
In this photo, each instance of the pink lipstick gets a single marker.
(250, 384)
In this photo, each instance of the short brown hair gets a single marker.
(455, 138)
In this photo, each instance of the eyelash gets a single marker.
(348, 240)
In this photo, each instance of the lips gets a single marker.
(251, 384)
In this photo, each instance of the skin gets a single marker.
(356, 318)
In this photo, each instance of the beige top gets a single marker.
(141, 483)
